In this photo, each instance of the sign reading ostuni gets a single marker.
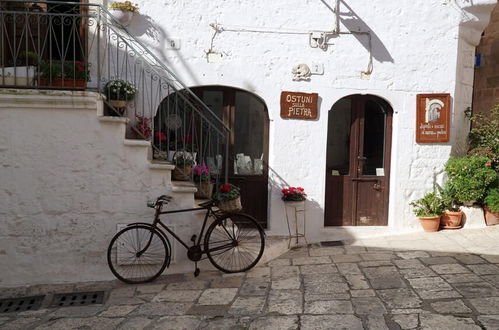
(295, 105)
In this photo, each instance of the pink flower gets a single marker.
(488, 164)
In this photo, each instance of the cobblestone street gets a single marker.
(444, 280)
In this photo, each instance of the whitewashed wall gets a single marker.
(417, 46)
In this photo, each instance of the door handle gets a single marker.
(377, 186)
(361, 158)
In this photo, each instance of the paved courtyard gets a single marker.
(444, 280)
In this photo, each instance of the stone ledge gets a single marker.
(161, 166)
(48, 99)
(111, 119)
(136, 143)
(183, 187)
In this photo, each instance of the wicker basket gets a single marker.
(182, 173)
(205, 190)
(231, 205)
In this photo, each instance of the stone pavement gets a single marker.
(444, 280)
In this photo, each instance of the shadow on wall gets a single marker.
(144, 25)
(354, 23)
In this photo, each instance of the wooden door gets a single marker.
(247, 117)
(358, 162)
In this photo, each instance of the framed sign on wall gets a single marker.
(295, 105)
(432, 118)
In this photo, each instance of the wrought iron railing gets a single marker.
(82, 46)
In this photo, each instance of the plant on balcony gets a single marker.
(429, 209)
(123, 11)
(203, 182)
(72, 74)
(228, 198)
(119, 92)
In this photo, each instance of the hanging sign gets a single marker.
(295, 105)
(432, 118)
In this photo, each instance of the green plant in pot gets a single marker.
(469, 178)
(69, 74)
(452, 216)
(484, 136)
(491, 207)
(228, 198)
(119, 92)
(183, 161)
(429, 209)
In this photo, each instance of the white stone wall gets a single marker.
(417, 47)
(66, 180)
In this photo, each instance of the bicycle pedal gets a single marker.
(193, 238)
(196, 272)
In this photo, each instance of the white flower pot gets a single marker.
(124, 17)
(17, 76)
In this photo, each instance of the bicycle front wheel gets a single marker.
(234, 243)
(138, 254)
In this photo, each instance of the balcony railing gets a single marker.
(81, 46)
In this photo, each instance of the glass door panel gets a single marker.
(373, 148)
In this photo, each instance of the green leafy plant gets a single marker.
(63, 70)
(120, 90)
(430, 205)
(125, 5)
(227, 192)
(469, 177)
(484, 136)
(492, 200)
(448, 196)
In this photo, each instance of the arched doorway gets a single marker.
(247, 117)
(358, 162)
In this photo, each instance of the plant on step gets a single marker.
(119, 89)
(76, 70)
(227, 192)
(469, 177)
(293, 194)
(124, 5)
(183, 161)
(201, 173)
(142, 127)
(430, 205)
(484, 136)
(491, 200)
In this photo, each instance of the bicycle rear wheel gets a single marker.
(234, 243)
(138, 254)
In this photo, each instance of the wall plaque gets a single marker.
(432, 118)
(296, 105)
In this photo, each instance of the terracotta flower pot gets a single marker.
(491, 218)
(430, 224)
(63, 83)
(451, 219)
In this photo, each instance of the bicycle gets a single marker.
(139, 253)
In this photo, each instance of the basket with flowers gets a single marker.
(203, 182)
(228, 198)
(293, 194)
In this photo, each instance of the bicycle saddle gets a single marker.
(160, 200)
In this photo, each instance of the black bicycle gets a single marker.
(139, 253)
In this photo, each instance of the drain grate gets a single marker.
(77, 299)
(20, 304)
(332, 243)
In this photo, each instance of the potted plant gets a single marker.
(484, 137)
(203, 182)
(119, 92)
(183, 161)
(469, 177)
(429, 209)
(293, 195)
(160, 149)
(123, 11)
(70, 74)
(491, 207)
(452, 217)
(142, 128)
(228, 198)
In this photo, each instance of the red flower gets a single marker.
(488, 164)
(225, 188)
(160, 136)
